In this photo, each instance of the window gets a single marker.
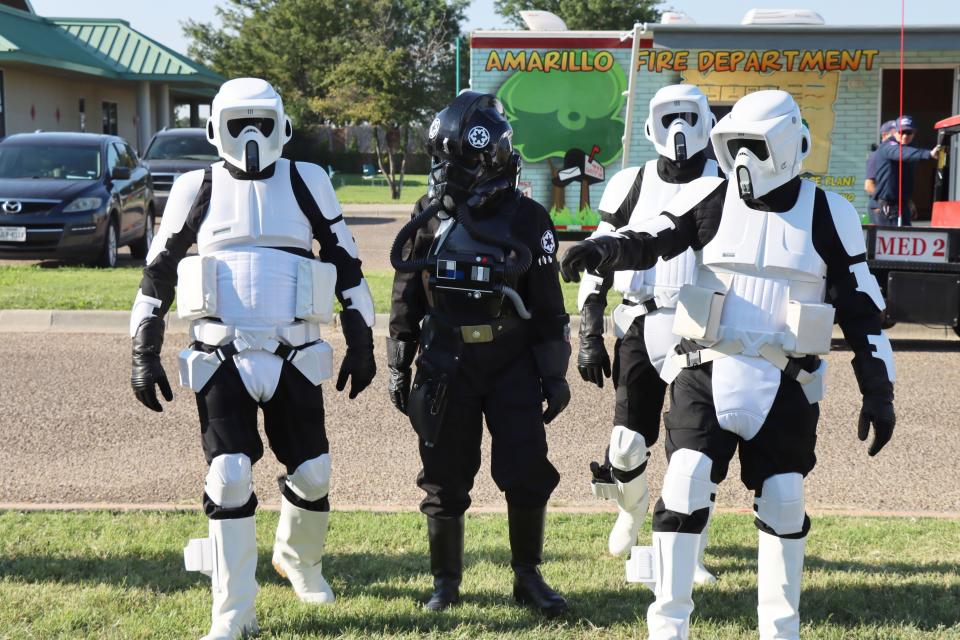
(82, 110)
(60, 162)
(110, 118)
(125, 156)
(132, 156)
(113, 158)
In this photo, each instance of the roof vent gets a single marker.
(676, 17)
(543, 21)
(782, 16)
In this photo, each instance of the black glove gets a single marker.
(592, 255)
(358, 363)
(399, 358)
(877, 410)
(552, 359)
(592, 359)
(874, 382)
(147, 371)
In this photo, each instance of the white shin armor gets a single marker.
(298, 551)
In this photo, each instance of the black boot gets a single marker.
(446, 561)
(526, 549)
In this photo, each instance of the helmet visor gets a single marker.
(756, 146)
(690, 117)
(236, 126)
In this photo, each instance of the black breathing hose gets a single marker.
(409, 232)
(524, 257)
(462, 215)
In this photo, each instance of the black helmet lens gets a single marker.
(690, 117)
(755, 146)
(237, 125)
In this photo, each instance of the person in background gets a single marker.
(887, 196)
(870, 182)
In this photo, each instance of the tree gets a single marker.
(387, 63)
(402, 75)
(586, 15)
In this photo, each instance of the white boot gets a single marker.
(779, 571)
(234, 545)
(668, 618)
(701, 575)
(633, 498)
(298, 551)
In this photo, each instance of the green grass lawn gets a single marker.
(38, 287)
(108, 575)
(352, 188)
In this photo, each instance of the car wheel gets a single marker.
(108, 252)
(141, 247)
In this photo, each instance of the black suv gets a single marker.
(173, 152)
(73, 196)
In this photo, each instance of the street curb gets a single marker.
(118, 322)
(376, 209)
(34, 507)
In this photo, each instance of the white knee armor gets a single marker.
(229, 481)
(780, 504)
(687, 486)
(311, 480)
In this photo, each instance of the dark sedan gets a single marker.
(173, 152)
(73, 196)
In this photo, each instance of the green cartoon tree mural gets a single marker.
(556, 112)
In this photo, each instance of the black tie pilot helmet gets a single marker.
(471, 147)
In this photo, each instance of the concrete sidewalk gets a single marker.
(116, 322)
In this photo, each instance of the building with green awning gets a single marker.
(92, 74)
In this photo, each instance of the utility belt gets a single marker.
(626, 313)
(496, 329)
(298, 343)
(808, 332)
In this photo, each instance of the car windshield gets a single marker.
(181, 148)
(57, 161)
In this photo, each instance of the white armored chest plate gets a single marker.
(778, 244)
(664, 279)
(253, 213)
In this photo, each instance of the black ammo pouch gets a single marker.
(437, 368)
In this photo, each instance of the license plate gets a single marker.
(909, 246)
(13, 234)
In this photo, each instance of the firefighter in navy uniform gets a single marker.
(256, 296)
(477, 266)
(679, 127)
(780, 261)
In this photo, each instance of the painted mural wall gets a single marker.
(563, 95)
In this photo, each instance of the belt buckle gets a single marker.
(476, 333)
(693, 359)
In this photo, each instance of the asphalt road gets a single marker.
(72, 432)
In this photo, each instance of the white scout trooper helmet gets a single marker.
(680, 121)
(247, 124)
(762, 142)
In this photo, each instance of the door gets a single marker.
(138, 184)
(928, 97)
(3, 118)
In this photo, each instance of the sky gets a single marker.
(161, 20)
